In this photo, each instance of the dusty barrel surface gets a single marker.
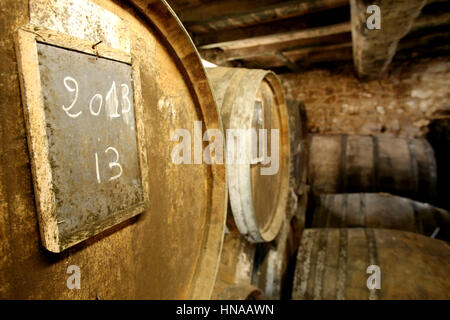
(373, 210)
(298, 136)
(333, 264)
(342, 164)
(170, 251)
(275, 268)
(253, 99)
(236, 264)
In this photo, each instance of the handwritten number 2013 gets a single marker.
(111, 100)
(95, 107)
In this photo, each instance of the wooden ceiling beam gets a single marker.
(274, 61)
(330, 56)
(262, 14)
(423, 44)
(283, 30)
(431, 20)
(234, 54)
(373, 50)
(294, 54)
(287, 62)
(206, 10)
(281, 37)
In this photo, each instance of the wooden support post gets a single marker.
(373, 50)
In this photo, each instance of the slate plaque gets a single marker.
(92, 143)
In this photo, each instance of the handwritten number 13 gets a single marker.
(113, 164)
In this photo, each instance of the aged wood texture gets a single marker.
(357, 163)
(172, 250)
(253, 99)
(373, 50)
(274, 274)
(229, 30)
(375, 210)
(236, 264)
(263, 37)
(312, 44)
(332, 264)
(198, 23)
(73, 204)
(298, 137)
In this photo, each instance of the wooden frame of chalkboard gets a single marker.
(53, 235)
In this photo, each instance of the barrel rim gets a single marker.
(239, 176)
(161, 16)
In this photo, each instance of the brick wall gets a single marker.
(401, 103)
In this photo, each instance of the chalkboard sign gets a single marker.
(88, 143)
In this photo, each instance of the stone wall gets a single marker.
(402, 103)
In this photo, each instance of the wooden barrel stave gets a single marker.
(236, 264)
(332, 264)
(298, 134)
(373, 210)
(355, 163)
(273, 271)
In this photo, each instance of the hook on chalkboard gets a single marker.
(94, 48)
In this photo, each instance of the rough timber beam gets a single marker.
(373, 50)
(280, 37)
(261, 14)
(290, 26)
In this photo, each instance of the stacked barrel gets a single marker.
(371, 230)
(275, 261)
(229, 231)
(258, 200)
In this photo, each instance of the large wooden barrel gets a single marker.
(274, 263)
(253, 99)
(236, 264)
(170, 251)
(339, 264)
(298, 136)
(378, 210)
(342, 164)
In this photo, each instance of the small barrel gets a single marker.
(298, 136)
(274, 262)
(252, 100)
(170, 251)
(236, 264)
(379, 210)
(363, 264)
(345, 164)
